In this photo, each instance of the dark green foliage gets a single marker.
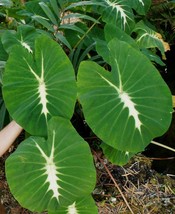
(106, 48)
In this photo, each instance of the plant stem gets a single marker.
(163, 146)
(86, 33)
(8, 136)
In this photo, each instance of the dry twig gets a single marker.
(112, 178)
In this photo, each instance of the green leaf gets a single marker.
(49, 13)
(74, 35)
(117, 12)
(33, 8)
(141, 6)
(3, 53)
(43, 21)
(25, 36)
(35, 11)
(102, 50)
(71, 26)
(81, 206)
(46, 175)
(78, 55)
(152, 56)
(80, 16)
(148, 38)
(2, 113)
(115, 156)
(63, 39)
(55, 7)
(82, 3)
(39, 86)
(128, 106)
(111, 32)
(6, 3)
(2, 66)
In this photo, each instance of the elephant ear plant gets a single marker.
(126, 106)
(55, 172)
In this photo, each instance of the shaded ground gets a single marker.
(146, 191)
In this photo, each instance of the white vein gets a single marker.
(72, 209)
(51, 170)
(42, 89)
(128, 103)
(25, 45)
(110, 83)
(141, 1)
(150, 35)
(126, 100)
(127, 153)
(119, 9)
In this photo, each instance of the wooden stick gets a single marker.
(8, 136)
(163, 146)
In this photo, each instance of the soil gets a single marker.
(145, 190)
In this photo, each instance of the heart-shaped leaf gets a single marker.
(128, 106)
(36, 87)
(45, 175)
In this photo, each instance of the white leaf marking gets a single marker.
(51, 170)
(110, 83)
(72, 209)
(151, 35)
(127, 153)
(25, 45)
(32, 71)
(119, 9)
(42, 89)
(141, 1)
(126, 99)
(43, 99)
